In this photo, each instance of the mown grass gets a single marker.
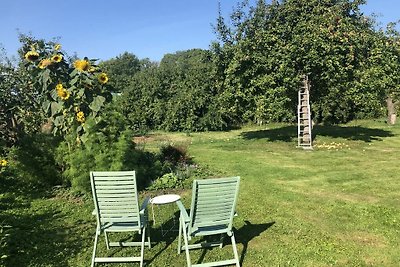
(336, 205)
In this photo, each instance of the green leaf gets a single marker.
(55, 108)
(79, 128)
(74, 73)
(58, 121)
(97, 103)
(46, 77)
(46, 106)
(74, 80)
(53, 94)
(80, 93)
(84, 137)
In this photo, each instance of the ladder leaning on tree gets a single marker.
(304, 123)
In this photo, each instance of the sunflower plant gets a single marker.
(71, 92)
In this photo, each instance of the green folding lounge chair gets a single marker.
(117, 210)
(211, 213)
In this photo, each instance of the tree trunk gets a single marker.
(391, 111)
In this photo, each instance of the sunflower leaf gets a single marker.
(46, 106)
(53, 94)
(97, 103)
(58, 121)
(73, 73)
(74, 80)
(80, 93)
(55, 108)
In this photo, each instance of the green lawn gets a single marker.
(336, 205)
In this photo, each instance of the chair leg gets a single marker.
(179, 237)
(185, 238)
(235, 250)
(222, 240)
(148, 235)
(94, 248)
(142, 246)
(107, 241)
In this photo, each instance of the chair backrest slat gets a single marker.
(213, 202)
(115, 197)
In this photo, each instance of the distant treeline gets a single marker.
(252, 74)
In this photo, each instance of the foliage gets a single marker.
(177, 167)
(380, 74)
(176, 96)
(31, 164)
(263, 50)
(252, 74)
(19, 112)
(174, 154)
(122, 68)
(109, 146)
(167, 181)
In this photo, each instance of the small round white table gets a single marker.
(162, 200)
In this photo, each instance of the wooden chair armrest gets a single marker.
(144, 205)
(183, 211)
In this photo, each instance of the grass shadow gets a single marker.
(157, 235)
(33, 240)
(285, 134)
(243, 235)
(289, 133)
(356, 133)
(247, 232)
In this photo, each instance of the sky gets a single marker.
(104, 29)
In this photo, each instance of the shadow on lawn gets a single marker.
(34, 236)
(242, 235)
(247, 232)
(33, 240)
(168, 238)
(289, 133)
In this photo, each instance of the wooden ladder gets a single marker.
(304, 123)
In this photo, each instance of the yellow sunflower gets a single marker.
(103, 78)
(56, 58)
(59, 87)
(57, 47)
(63, 94)
(3, 163)
(44, 63)
(31, 55)
(80, 117)
(82, 65)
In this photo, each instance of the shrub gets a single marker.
(173, 155)
(108, 147)
(102, 154)
(32, 163)
(167, 181)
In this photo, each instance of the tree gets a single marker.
(264, 50)
(177, 95)
(123, 67)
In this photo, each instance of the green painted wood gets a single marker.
(117, 210)
(126, 244)
(117, 259)
(112, 183)
(115, 190)
(211, 212)
(215, 263)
